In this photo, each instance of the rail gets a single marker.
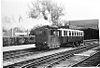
(53, 59)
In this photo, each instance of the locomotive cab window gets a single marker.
(51, 32)
(55, 32)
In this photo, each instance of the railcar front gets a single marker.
(47, 38)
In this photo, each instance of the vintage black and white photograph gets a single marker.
(50, 33)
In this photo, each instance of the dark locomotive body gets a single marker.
(54, 37)
(47, 38)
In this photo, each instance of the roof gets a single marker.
(70, 29)
(51, 27)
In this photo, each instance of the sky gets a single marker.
(11, 10)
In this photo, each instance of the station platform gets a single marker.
(18, 47)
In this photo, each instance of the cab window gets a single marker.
(55, 32)
(51, 32)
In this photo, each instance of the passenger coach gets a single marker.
(70, 36)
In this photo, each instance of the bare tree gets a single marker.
(44, 6)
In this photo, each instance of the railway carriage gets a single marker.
(71, 36)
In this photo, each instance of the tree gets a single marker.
(46, 7)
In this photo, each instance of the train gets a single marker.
(49, 37)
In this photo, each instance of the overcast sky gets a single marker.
(74, 10)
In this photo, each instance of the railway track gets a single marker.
(90, 61)
(15, 54)
(21, 53)
(57, 59)
(49, 61)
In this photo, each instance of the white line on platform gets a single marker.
(18, 47)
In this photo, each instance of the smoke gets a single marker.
(24, 23)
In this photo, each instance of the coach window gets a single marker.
(81, 34)
(64, 33)
(69, 33)
(60, 33)
(56, 32)
(77, 34)
(72, 33)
